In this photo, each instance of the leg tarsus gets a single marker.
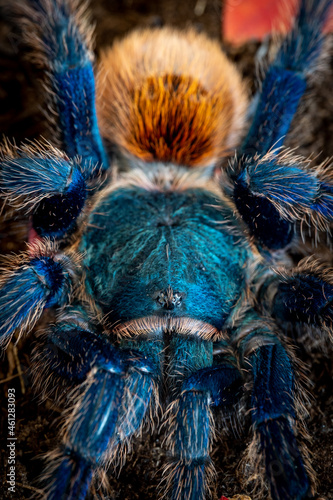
(283, 460)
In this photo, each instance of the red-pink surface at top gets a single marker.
(247, 19)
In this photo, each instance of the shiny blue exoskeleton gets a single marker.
(166, 284)
(153, 241)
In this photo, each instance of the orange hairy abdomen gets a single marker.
(170, 96)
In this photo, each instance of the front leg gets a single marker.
(188, 421)
(285, 82)
(30, 283)
(197, 385)
(114, 389)
(40, 180)
(273, 404)
(60, 38)
(274, 190)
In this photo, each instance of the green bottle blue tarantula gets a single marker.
(157, 259)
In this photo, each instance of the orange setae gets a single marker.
(170, 96)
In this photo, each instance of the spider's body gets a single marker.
(159, 264)
(185, 105)
(157, 237)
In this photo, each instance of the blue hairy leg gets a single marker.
(69, 349)
(305, 296)
(28, 286)
(198, 386)
(41, 181)
(272, 406)
(223, 382)
(286, 79)
(273, 414)
(119, 386)
(60, 38)
(189, 421)
(284, 85)
(285, 185)
(263, 219)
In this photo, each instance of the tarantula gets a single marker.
(157, 259)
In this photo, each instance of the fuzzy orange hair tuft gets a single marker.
(170, 96)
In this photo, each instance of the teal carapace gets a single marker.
(200, 275)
